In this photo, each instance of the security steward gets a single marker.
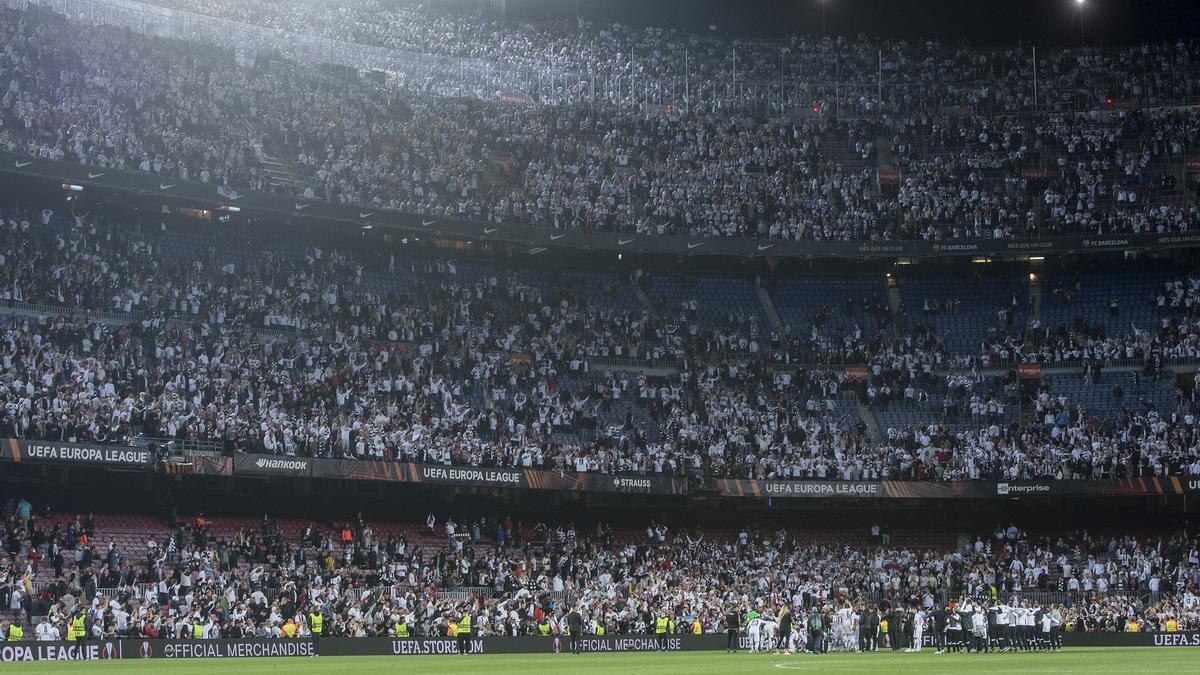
(78, 628)
(463, 635)
(316, 626)
(15, 632)
(661, 627)
(400, 628)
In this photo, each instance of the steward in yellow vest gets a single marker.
(16, 633)
(401, 629)
(464, 633)
(77, 630)
(661, 626)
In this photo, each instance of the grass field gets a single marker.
(1076, 660)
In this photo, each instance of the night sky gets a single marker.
(980, 22)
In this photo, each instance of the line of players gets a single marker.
(969, 625)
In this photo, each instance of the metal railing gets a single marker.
(619, 363)
(40, 309)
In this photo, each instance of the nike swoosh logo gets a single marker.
(427, 223)
(21, 165)
(166, 186)
(622, 242)
(301, 207)
(691, 246)
(366, 215)
(95, 175)
(489, 230)
(763, 248)
(556, 237)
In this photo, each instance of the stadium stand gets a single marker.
(190, 333)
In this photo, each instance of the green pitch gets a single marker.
(1077, 660)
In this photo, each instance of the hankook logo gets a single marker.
(283, 464)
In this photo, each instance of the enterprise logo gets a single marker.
(1006, 489)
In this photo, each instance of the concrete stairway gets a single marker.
(768, 305)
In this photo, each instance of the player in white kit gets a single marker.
(918, 631)
(754, 633)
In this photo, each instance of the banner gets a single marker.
(195, 194)
(982, 489)
(218, 649)
(1107, 639)
(466, 475)
(513, 645)
(1125, 487)
(648, 485)
(856, 373)
(360, 469)
(541, 479)
(336, 646)
(1029, 371)
(118, 457)
(12, 652)
(199, 465)
(57, 452)
(272, 465)
(798, 488)
(407, 472)
(891, 489)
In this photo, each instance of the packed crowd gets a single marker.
(93, 95)
(448, 362)
(656, 62)
(197, 580)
